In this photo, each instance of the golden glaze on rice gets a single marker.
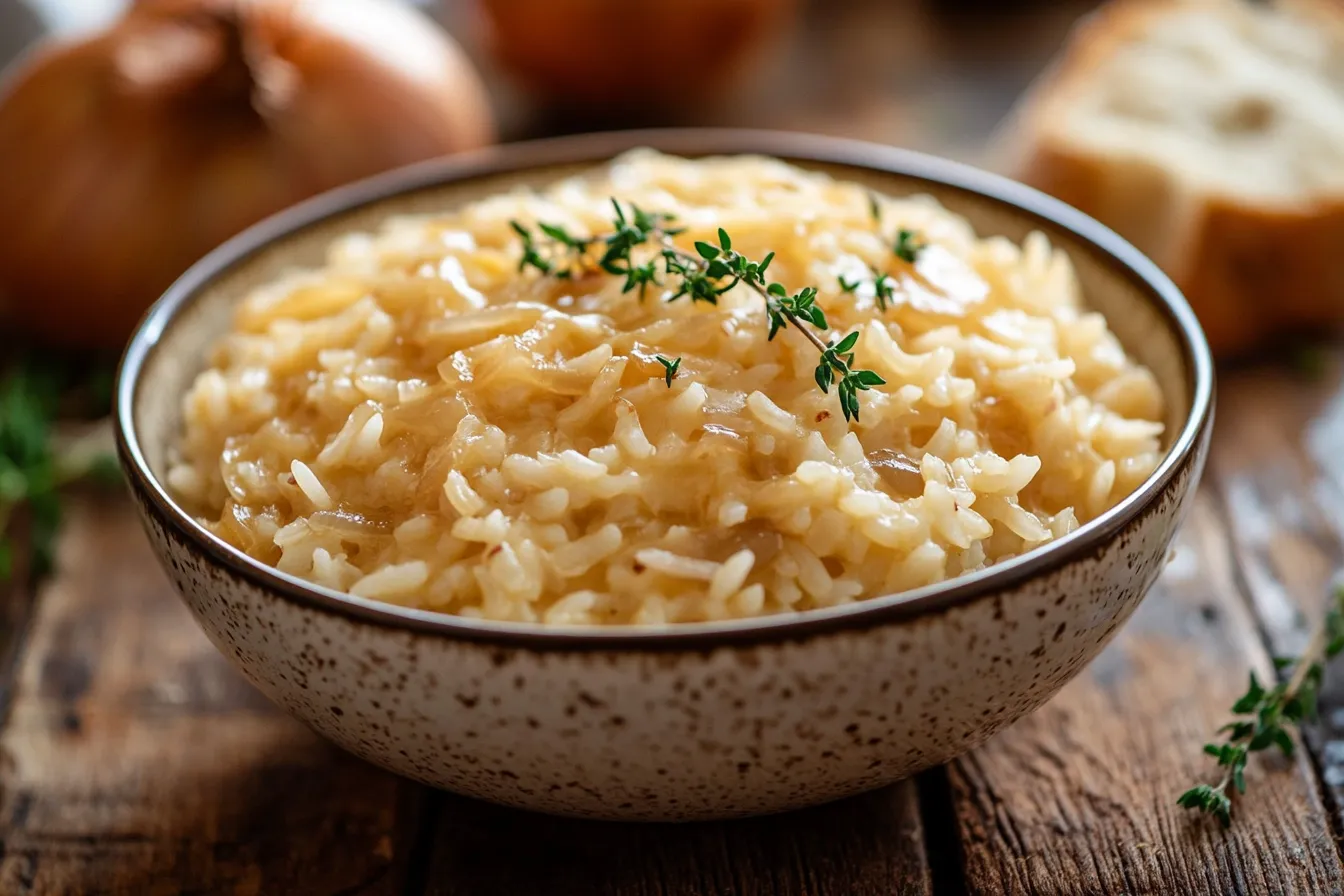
(417, 422)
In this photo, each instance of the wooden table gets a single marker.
(134, 760)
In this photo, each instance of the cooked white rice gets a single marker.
(419, 423)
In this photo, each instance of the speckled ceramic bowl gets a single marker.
(703, 720)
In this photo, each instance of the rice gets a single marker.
(418, 422)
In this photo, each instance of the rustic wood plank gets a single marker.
(136, 762)
(872, 845)
(1080, 797)
(1278, 468)
(16, 609)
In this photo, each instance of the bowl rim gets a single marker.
(596, 148)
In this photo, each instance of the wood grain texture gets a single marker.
(872, 845)
(1278, 471)
(16, 608)
(136, 762)
(1080, 797)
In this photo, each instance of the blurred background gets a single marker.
(932, 74)
(936, 75)
(136, 136)
(134, 139)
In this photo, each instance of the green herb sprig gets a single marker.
(670, 368)
(906, 246)
(36, 463)
(702, 276)
(1267, 715)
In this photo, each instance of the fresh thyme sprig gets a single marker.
(884, 288)
(702, 276)
(1267, 715)
(906, 247)
(36, 463)
(670, 368)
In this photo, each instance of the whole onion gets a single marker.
(624, 56)
(126, 156)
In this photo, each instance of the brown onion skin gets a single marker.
(129, 155)
(629, 55)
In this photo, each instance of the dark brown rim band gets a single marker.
(1049, 213)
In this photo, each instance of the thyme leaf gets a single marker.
(36, 464)
(1268, 715)
(670, 368)
(906, 247)
(701, 276)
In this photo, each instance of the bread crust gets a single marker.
(1253, 270)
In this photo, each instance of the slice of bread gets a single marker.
(1210, 133)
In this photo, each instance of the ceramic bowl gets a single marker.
(701, 720)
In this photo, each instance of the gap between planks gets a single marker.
(135, 761)
(1080, 797)
(1189, 647)
(870, 845)
(1279, 472)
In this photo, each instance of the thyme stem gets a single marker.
(759, 290)
(704, 275)
(1267, 715)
